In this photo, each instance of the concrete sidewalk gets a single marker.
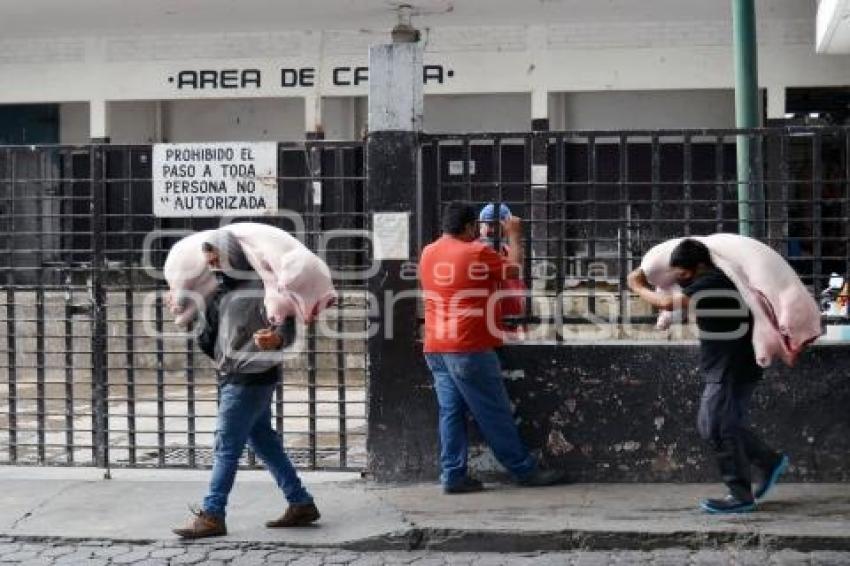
(142, 505)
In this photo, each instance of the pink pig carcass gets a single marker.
(786, 317)
(296, 282)
(190, 281)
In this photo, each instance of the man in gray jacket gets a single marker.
(245, 350)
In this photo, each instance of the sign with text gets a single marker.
(214, 179)
(390, 233)
(289, 77)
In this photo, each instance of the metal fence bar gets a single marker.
(11, 314)
(783, 180)
(340, 343)
(847, 208)
(719, 178)
(624, 230)
(129, 314)
(592, 218)
(69, 372)
(466, 156)
(560, 217)
(159, 328)
(100, 391)
(39, 354)
(531, 220)
(687, 174)
(313, 208)
(817, 211)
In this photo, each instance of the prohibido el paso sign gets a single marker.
(214, 179)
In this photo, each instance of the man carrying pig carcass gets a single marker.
(245, 349)
(728, 368)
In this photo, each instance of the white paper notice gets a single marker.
(391, 235)
(539, 176)
(214, 179)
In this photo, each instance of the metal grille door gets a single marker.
(93, 370)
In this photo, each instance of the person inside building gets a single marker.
(458, 275)
(729, 370)
(247, 356)
(512, 303)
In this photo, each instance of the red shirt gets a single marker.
(458, 278)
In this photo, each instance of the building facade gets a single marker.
(73, 72)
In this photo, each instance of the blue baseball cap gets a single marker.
(488, 213)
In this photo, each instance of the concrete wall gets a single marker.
(74, 123)
(344, 118)
(134, 122)
(223, 120)
(624, 413)
(477, 113)
(642, 109)
(602, 56)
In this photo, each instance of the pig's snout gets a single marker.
(177, 302)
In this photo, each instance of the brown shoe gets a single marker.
(202, 525)
(296, 516)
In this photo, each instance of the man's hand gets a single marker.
(267, 339)
(512, 227)
(639, 284)
(637, 280)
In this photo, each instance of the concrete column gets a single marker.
(776, 103)
(313, 117)
(397, 395)
(98, 121)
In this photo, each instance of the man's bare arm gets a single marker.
(638, 283)
(516, 252)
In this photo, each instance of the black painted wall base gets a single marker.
(626, 413)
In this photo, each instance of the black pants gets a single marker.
(723, 422)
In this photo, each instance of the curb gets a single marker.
(449, 540)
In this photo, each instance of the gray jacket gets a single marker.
(233, 314)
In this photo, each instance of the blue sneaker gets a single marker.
(728, 505)
(771, 477)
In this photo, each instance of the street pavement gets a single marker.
(59, 516)
(102, 553)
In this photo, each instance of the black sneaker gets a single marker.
(771, 476)
(727, 505)
(542, 478)
(466, 485)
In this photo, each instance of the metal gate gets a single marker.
(608, 196)
(92, 370)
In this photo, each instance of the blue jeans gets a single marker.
(244, 416)
(472, 382)
(723, 422)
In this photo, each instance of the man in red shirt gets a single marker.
(459, 276)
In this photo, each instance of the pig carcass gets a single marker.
(786, 317)
(296, 282)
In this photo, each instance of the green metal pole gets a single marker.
(746, 101)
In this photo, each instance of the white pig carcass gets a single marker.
(296, 282)
(786, 317)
